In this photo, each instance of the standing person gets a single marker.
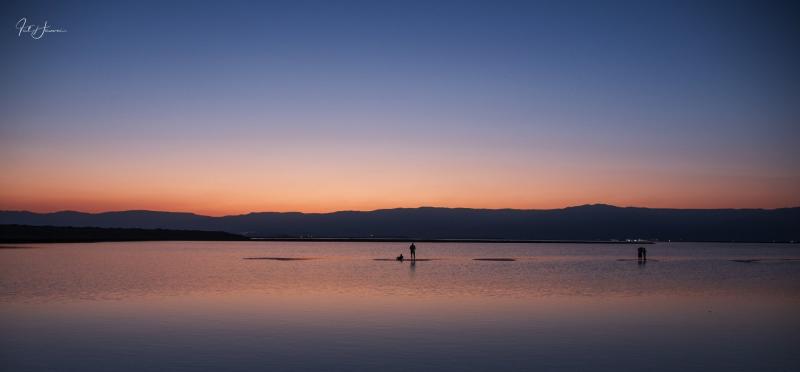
(413, 249)
(639, 253)
(644, 253)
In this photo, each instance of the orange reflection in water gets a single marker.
(200, 305)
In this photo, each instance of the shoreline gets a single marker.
(449, 240)
(27, 234)
(7, 244)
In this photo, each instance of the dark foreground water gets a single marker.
(170, 306)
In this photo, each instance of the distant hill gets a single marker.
(63, 234)
(588, 222)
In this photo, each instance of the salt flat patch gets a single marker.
(495, 259)
(282, 258)
(766, 260)
(406, 260)
(635, 259)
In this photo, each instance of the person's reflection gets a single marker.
(412, 268)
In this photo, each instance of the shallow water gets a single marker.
(203, 306)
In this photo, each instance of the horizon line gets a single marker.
(393, 208)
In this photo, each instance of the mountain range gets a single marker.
(587, 222)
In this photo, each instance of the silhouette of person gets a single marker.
(644, 253)
(400, 257)
(640, 253)
(413, 249)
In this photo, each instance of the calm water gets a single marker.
(202, 306)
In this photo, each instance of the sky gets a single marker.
(231, 107)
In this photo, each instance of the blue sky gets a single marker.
(536, 94)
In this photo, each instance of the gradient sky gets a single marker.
(230, 107)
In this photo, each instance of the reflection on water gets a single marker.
(202, 305)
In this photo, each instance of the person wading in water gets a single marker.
(413, 249)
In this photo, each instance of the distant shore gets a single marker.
(433, 240)
(580, 224)
(18, 234)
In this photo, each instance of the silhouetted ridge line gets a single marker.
(584, 223)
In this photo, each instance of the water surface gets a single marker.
(204, 306)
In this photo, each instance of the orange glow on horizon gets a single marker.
(217, 200)
(328, 178)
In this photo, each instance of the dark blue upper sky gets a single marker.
(706, 94)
